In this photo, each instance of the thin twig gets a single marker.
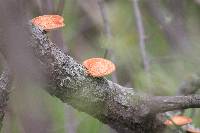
(71, 123)
(171, 23)
(140, 29)
(107, 30)
(60, 7)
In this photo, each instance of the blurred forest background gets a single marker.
(172, 45)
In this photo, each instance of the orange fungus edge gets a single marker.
(191, 130)
(49, 22)
(99, 67)
(178, 120)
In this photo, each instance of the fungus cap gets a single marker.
(178, 120)
(49, 22)
(192, 130)
(99, 67)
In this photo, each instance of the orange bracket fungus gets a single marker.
(99, 67)
(48, 22)
(192, 130)
(178, 120)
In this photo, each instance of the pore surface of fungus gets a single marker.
(193, 130)
(48, 22)
(99, 67)
(178, 120)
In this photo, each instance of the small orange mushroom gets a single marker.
(99, 67)
(178, 120)
(48, 22)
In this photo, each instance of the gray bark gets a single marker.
(4, 93)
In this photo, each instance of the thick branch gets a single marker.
(109, 102)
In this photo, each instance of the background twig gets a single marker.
(140, 29)
(60, 7)
(107, 30)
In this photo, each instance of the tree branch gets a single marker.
(110, 103)
(170, 103)
(104, 15)
(60, 7)
(172, 23)
(5, 82)
(140, 29)
(107, 30)
(190, 86)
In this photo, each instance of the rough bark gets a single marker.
(110, 103)
(4, 92)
